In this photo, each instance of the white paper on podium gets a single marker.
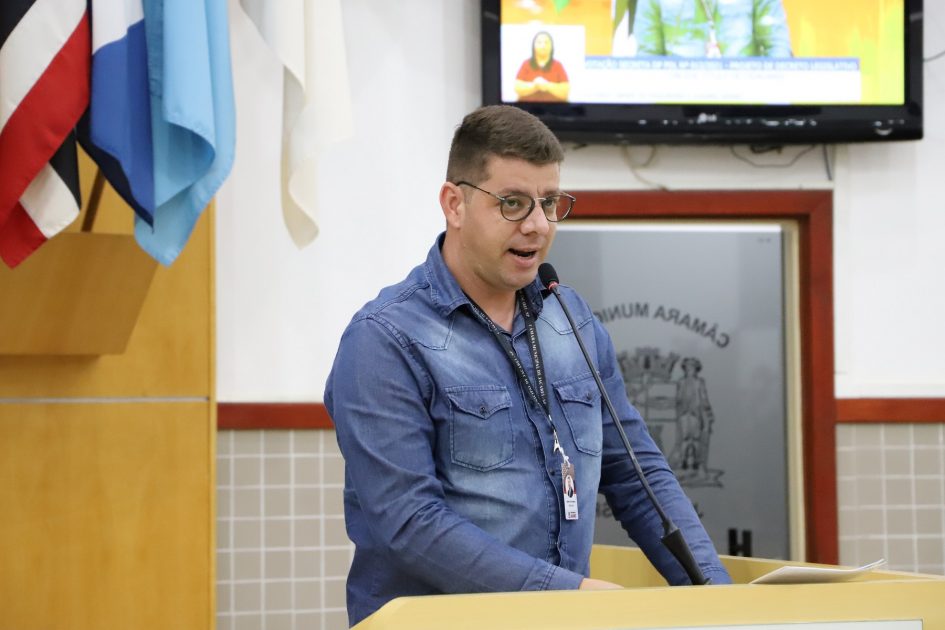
(814, 575)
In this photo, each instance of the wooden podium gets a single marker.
(649, 603)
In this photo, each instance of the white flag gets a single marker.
(308, 38)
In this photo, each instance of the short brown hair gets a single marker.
(503, 131)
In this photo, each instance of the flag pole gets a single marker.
(95, 197)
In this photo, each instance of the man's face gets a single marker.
(497, 255)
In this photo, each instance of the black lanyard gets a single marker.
(541, 397)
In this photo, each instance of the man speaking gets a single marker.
(474, 434)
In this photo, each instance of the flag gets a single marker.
(192, 117)
(116, 130)
(44, 88)
(308, 38)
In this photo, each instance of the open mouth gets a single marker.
(523, 253)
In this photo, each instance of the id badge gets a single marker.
(570, 491)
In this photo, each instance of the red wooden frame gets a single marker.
(812, 211)
(907, 410)
(273, 416)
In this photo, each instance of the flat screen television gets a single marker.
(718, 71)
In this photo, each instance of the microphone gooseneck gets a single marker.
(672, 536)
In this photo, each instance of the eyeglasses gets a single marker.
(517, 206)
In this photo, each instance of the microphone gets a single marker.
(672, 536)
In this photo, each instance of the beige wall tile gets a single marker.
(898, 491)
(308, 442)
(336, 620)
(870, 522)
(848, 555)
(278, 533)
(278, 502)
(928, 461)
(246, 502)
(337, 562)
(897, 435)
(900, 522)
(305, 621)
(847, 521)
(308, 532)
(224, 443)
(224, 478)
(335, 534)
(224, 565)
(280, 621)
(929, 521)
(930, 552)
(897, 461)
(278, 442)
(247, 622)
(247, 534)
(279, 564)
(901, 554)
(869, 491)
(247, 442)
(247, 471)
(867, 462)
(330, 444)
(308, 501)
(334, 501)
(224, 503)
(335, 593)
(308, 594)
(334, 470)
(278, 597)
(278, 471)
(869, 549)
(846, 463)
(247, 597)
(306, 470)
(247, 565)
(845, 436)
(224, 601)
(223, 533)
(868, 435)
(927, 434)
(308, 564)
(930, 491)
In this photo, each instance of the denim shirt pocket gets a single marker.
(580, 400)
(481, 434)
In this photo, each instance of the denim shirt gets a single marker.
(451, 483)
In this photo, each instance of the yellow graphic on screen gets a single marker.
(869, 31)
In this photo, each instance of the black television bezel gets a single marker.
(722, 124)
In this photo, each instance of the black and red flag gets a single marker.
(45, 56)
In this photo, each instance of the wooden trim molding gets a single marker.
(273, 416)
(907, 410)
(813, 213)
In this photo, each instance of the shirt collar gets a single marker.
(446, 293)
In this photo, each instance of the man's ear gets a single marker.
(453, 203)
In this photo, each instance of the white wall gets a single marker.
(281, 311)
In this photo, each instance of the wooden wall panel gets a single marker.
(168, 354)
(106, 463)
(107, 516)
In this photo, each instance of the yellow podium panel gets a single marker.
(882, 595)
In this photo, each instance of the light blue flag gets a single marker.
(193, 121)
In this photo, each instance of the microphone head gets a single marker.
(547, 275)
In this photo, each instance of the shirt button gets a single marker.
(482, 410)
(587, 396)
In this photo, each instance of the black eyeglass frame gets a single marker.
(534, 202)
